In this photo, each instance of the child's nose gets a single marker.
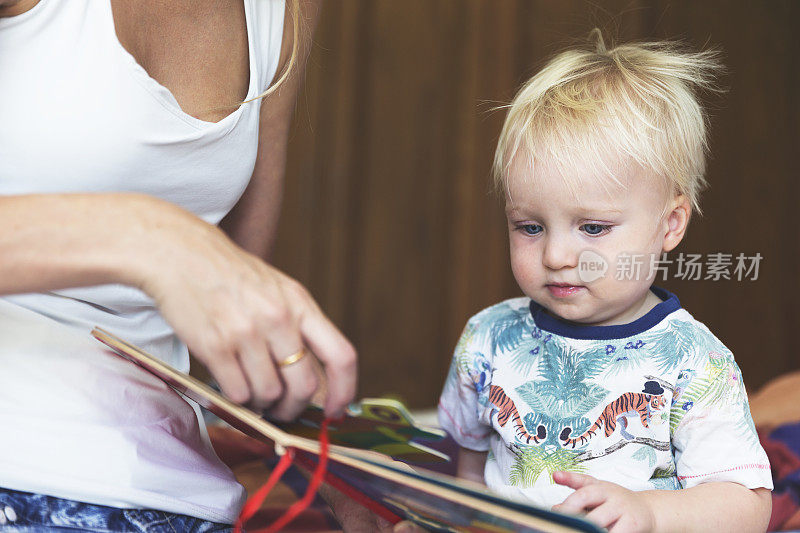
(559, 253)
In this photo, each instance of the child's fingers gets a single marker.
(582, 500)
(605, 515)
(573, 480)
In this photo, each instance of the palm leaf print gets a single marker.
(680, 342)
(622, 360)
(525, 356)
(508, 328)
(462, 355)
(720, 387)
(532, 462)
(665, 479)
(645, 453)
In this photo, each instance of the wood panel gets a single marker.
(388, 217)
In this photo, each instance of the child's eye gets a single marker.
(595, 229)
(530, 229)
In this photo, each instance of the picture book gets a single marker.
(369, 458)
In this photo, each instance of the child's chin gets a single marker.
(570, 313)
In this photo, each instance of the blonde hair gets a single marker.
(294, 12)
(636, 101)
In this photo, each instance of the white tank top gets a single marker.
(78, 114)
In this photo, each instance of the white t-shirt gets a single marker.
(658, 403)
(78, 114)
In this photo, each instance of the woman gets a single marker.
(121, 148)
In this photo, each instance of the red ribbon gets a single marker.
(353, 494)
(253, 503)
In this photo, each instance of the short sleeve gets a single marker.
(714, 437)
(460, 405)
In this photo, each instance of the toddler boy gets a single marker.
(597, 391)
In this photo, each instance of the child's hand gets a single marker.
(606, 504)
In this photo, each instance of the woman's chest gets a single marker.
(197, 50)
(79, 114)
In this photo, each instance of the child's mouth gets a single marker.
(562, 290)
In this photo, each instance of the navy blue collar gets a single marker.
(573, 330)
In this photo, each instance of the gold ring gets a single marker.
(292, 359)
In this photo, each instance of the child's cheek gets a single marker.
(526, 264)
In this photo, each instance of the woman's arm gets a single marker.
(55, 241)
(253, 222)
(237, 314)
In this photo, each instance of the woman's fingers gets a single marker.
(229, 374)
(338, 357)
(241, 317)
(263, 381)
(294, 365)
(281, 324)
(300, 383)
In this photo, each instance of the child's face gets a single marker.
(550, 225)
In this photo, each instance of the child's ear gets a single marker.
(677, 222)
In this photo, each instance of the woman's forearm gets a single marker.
(52, 241)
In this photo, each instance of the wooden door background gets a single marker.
(388, 218)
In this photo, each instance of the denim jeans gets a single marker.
(26, 512)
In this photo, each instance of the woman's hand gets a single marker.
(241, 317)
(606, 504)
